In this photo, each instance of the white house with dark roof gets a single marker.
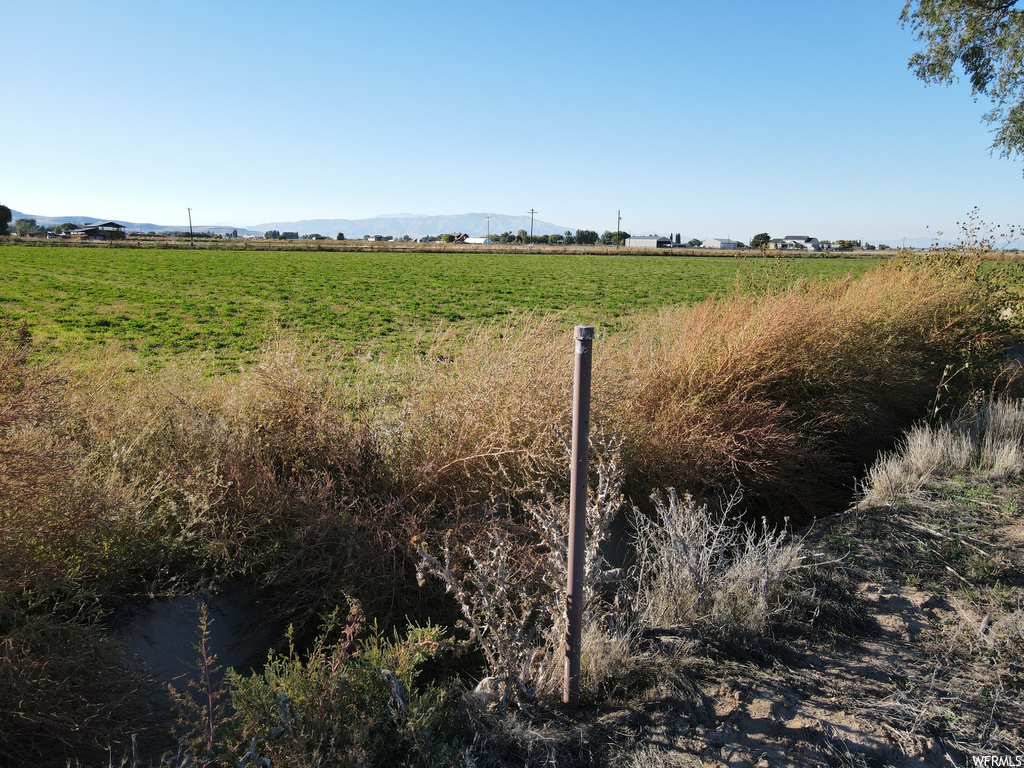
(795, 243)
(721, 243)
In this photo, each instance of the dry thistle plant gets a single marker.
(609, 619)
(515, 610)
(508, 620)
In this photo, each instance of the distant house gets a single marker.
(721, 243)
(795, 243)
(648, 241)
(108, 230)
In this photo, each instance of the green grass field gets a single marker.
(166, 302)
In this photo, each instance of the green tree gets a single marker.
(341, 236)
(24, 227)
(986, 39)
(5, 219)
(271, 234)
(695, 243)
(761, 240)
(586, 236)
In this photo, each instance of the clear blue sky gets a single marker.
(712, 119)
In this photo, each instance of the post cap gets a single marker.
(584, 333)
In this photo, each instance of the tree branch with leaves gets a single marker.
(986, 39)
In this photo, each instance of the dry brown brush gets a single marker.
(60, 685)
(788, 393)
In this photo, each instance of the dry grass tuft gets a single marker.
(986, 442)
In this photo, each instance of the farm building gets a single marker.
(721, 243)
(795, 243)
(650, 241)
(478, 240)
(108, 230)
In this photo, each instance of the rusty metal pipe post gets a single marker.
(584, 336)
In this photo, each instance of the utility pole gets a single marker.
(618, 228)
(191, 235)
(488, 227)
(531, 212)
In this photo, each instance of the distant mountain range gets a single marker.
(395, 225)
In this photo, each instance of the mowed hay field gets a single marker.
(229, 303)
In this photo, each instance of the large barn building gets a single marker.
(649, 241)
(108, 230)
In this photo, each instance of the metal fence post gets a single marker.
(584, 336)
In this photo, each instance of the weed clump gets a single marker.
(985, 441)
(693, 571)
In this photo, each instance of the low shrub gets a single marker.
(708, 570)
(348, 701)
(510, 592)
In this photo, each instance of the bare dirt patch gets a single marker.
(902, 649)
